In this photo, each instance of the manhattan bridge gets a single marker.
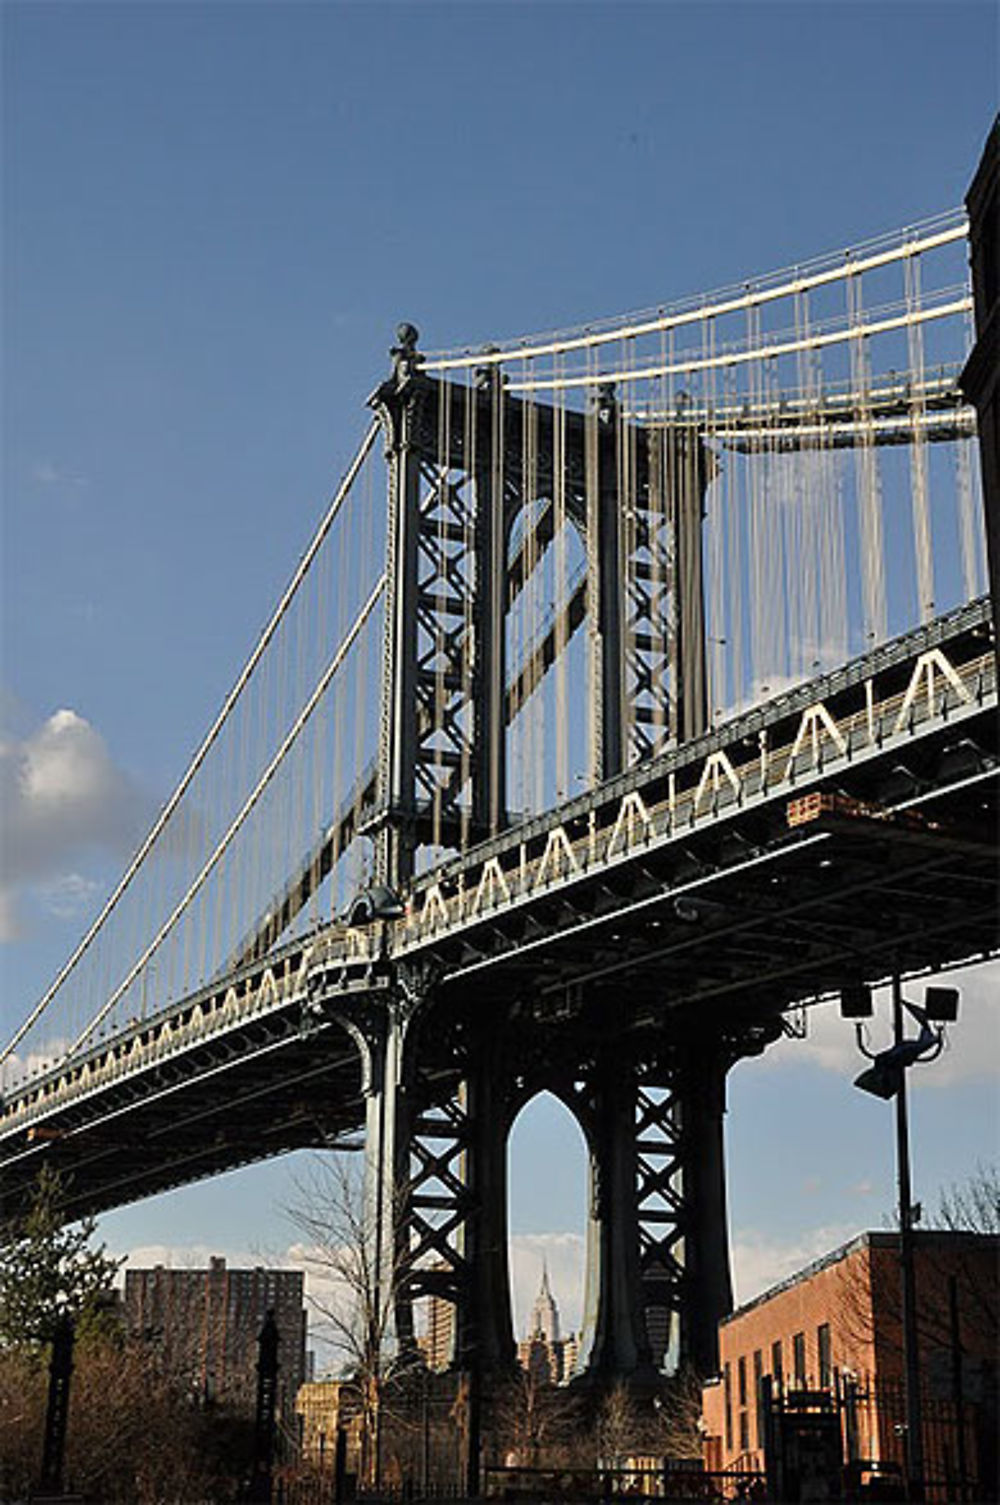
(636, 691)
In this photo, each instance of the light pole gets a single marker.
(886, 1078)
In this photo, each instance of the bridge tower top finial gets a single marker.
(404, 353)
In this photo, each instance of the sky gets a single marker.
(214, 216)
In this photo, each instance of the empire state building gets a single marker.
(544, 1313)
(544, 1353)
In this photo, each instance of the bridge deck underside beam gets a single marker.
(261, 1091)
(750, 932)
(753, 914)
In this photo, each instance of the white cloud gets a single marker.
(183, 1257)
(46, 473)
(68, 896)
(61, 797)
(971, 1050)
(760, 1260)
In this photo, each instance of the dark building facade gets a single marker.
(204, 1325)
(981, 377)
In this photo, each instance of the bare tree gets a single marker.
(676, 1431)
(973, 1205)
(134, 1438)
(873, 1299)
(619, 1427)
(532, 1423)
(22, 1412)
(356, 1273)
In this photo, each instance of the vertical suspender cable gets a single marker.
(869, 498)
(468, 572)
(918, 444)
(560, 591)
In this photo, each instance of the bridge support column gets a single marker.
(437, 1192)
(609, 734)
(615, 1342)
(485, 1336)
(658, 1278)
(396, 401)
(386, 1177)
(691, 475)
(707, 1293)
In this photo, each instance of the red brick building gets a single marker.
(837, 1324)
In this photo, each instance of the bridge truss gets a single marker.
(657, 699)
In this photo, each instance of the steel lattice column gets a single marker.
(437, 1186)
(645, 505)
(699, 1096)
(681, 1206)
(441, 733)
(660, 1217)
(658, 1252)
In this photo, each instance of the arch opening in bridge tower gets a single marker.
(547, 1210)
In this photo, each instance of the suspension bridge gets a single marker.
(636, 690)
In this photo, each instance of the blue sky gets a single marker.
(214, 216)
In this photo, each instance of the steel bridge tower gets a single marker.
(444, 1082)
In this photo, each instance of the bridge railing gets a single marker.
(706, 781)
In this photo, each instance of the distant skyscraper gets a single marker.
(545, 1313)
(439, 1341)
(543, 1353)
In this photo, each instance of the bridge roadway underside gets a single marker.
(738, 922)
(735, 920)
(260, 1090)
(712, 933)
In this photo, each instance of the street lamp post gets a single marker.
(911, 1349)
(886, 1078)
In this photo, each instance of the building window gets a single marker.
(823, 1355)
(727, 1390)
(799, 1359)
(777, 1364)
(758, 1375)
(741, 1381)
(744, 1432)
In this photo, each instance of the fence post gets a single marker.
(57, 1412)
(267, 1396)
(957, 1387)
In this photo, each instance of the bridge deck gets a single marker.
(709, 884)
